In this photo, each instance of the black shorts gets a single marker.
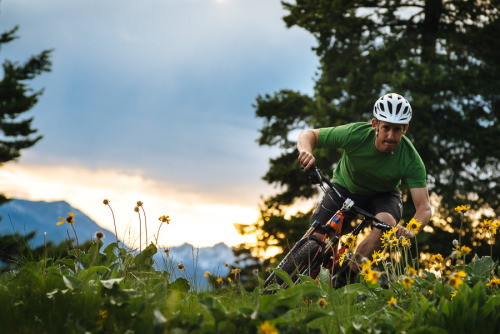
(390, 202)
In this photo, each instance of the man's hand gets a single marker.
(306, 159)
(402, 231)
(308, 139)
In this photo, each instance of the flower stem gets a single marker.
(145, 224)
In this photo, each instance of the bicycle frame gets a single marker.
(328, 252)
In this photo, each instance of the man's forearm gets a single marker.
(306, 141)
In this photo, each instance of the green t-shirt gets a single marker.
(364, 170)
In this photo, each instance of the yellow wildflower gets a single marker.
(465, 249)
(164, 219)
(376, 257)
(69, 219)
(453, 295)
(411, 271)
(351, 241)
(219, 280)
(438, 266)
(226, 265)
(367, 266)
(391, 302)
(407, 282)
(341, 259)
(207, 274)
(229, 279)
(268, 328)
(103, 315)
(437, 257)
(235, 271)
(413, 226)
(406, 243)
(322, 302)
(390, 233)
(181, 267)
(493, 283)
(461, 208)
(372, 276)
(394, 242)
(455, 281)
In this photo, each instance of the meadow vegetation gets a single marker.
(118, 289)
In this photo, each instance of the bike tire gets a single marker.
(295, 263)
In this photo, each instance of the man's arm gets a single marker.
(422, 204)
(308, 139)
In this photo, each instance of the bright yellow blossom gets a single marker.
(406, 243)
(493, 283)
(164, 219)
(229, 279)
(453, 295)
(437, 257)
(207, 274)
(350, 241)
(372, 276)
(219, 280)
(322, 302)
(376, 257)
(413, 226)
(268, 328)
(461, 208)
(341, 259)
(411, 271)
(390, 233)
(407, 282)
(69, 219)
(455, 281)
(391, 302)
(367, 266)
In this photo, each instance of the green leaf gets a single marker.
(315, 314)
(108, 284)
(180, 284)
(72, 282)
(284, 276)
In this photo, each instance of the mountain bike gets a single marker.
(317, 249)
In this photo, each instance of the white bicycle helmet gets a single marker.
(392, 108)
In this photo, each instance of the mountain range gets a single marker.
(25, 216)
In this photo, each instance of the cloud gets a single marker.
(162, 88)
(197, 219)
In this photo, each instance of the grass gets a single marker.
(116, 290)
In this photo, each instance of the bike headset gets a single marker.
(392, 108)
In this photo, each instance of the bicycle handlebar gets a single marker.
(316, 177)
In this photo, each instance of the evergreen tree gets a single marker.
(442, 56)
(16, 98)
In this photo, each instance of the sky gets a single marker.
(152, 100)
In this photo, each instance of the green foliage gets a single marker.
(16, 98)
(440, 55)
(117, 291)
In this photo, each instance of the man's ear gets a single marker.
(374, 124)
(406, 128)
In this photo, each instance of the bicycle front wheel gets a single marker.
(295, 263)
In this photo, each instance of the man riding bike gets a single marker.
(377, 158)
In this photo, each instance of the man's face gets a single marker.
(389, 135)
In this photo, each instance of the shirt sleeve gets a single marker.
(337, 136)
(416, 174)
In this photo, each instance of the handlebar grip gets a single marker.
(313, 176)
